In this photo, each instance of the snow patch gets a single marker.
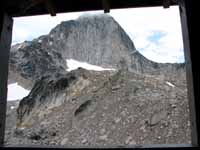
(50, 43)
(74, 64)
(51, 35)
(16, 92)
(170, 84)
(61, 35)
(12, 107)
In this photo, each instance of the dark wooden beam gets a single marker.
(50, 7)
(30, 5)
(106, 6)
(190, 32)
(19, 8)
(27, 5)
(6, 24)
(166, 3)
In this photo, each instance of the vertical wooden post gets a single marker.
(106, 6)
(6, 24)
(189, 31)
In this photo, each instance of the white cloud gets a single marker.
(139, 23)
(27, 28)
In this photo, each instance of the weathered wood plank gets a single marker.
(106, 6)
(189, 32)
(50, 7)
(6, 23)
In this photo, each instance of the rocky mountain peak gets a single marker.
(98, 40)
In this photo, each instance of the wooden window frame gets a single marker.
(189, 33)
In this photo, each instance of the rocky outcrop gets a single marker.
(47, 93)
(29, 61)
(102, 108)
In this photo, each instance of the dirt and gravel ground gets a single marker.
(109, 109)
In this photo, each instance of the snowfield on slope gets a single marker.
(74, 64)
(16, 92)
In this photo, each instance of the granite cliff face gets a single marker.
(141, 102)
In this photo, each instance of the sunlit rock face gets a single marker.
(98, 40)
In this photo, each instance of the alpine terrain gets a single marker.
(134, 101)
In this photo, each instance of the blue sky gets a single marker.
(156, 32)
(155, 36)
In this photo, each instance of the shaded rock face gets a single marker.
(47, 92)
(30, 61)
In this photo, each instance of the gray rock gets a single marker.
(128, 139)
(64, 141)
(116, 87)
(84, 141)
(92, 121)
(157, 117)
(132, 142)
(103, 137)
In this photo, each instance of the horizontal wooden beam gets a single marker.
(34, 7)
